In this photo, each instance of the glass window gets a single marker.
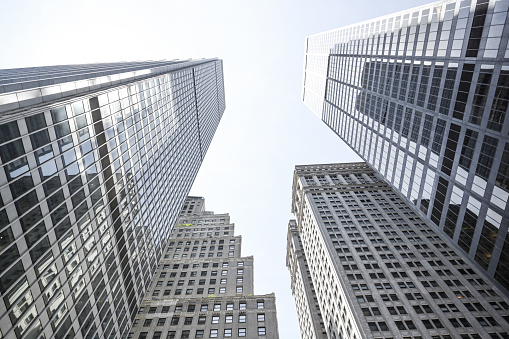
(59, 114)
(35, 122)
(9, 131)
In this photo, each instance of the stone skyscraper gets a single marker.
(422, 96)
(96, 162)
(203, 288)
(365, 264)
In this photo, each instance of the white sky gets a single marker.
(265, 131)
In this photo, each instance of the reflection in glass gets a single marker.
(44, 154)
(16, 168)
(59, 114)
(48, 169)
(65, 143)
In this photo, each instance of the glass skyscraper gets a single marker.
(422, 96)
(96, 162)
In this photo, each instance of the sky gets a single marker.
(266, 130)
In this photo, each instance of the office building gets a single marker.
(96, 163)
(376, 268)
(203, 288)
(422, 96)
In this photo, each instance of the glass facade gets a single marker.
(422, 95)
(93, 177)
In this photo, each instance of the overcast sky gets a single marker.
(265, 131)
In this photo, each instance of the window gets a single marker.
(188, 320)
(228, 319)
(261, 316)
(242, 318)
(242, 306)
(171, 335)
(227, 332)
(174, 321)
(239, 289)
(201, 319)
(184, 335)
(204, 308)
(199, 333)
(229, 307)
(242, 332)
(261, 330)
(152, 310)
(147, 322)
(260, 304)
(222, 290)
(143, 335)
(213, 333)
(215, 319)
(191, 308)
(161, 321)
(217, 307)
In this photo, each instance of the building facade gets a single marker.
(96, 162)
(306, 304)
(377, 268)
(203, 288)
(422, 96)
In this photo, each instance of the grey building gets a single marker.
(306, 304)
(96, 162)
(422, 96)
(203, 288)
(378, 269)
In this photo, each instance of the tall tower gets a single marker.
(374, 268)
(422, 96)
(203, 288)
(96, 162)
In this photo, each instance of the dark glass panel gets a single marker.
(40, 139)
(52, 185)
(26, 202)
(55, 200)
(11, 151)
(35, 122)
(4, 220)
(9, 131)
(62, 228)
(6, 238)
(31, 218)
(38, 250)
(11, 276)
(59, 213)
(35, 234)
(8, 257)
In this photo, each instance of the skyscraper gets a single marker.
(203, 288)
(376, 268)
(97, 161)
(422, 95)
